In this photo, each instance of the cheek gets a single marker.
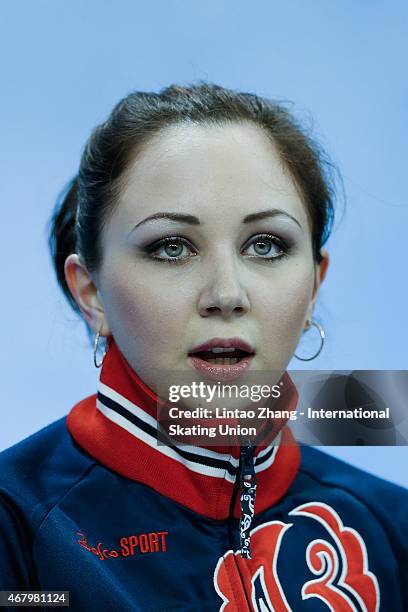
(140, 314)
(282, 305)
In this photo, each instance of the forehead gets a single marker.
(218, 173)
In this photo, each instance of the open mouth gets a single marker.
(224, 357)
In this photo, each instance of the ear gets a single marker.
(85, 293)
(320, 273)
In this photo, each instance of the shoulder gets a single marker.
(36, 472)
(385, 501)
(333, 471)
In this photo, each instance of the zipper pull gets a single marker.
(247, 497)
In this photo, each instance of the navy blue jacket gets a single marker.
(91, 505)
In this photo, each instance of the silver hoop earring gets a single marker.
(322, 337)
(96, 342)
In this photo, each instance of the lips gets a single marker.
(236, 343)
(201, 354)
(217, 371)
(228, 354)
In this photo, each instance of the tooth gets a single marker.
(223, 350)
(223, 360)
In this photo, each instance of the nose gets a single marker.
(223, 293)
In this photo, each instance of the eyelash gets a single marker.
(179, 239)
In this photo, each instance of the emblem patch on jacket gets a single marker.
(342, 578)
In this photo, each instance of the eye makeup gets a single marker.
(179, 241)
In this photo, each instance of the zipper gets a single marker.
(247, 482)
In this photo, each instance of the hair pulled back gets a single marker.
(84, 207)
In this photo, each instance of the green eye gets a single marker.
(262, 248)
(173, 250)
(170, 249)
(268, 245)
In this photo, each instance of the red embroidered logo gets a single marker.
(152, 542)
(346, 567)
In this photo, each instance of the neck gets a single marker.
(118, 427)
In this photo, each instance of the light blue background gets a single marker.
(63, 67)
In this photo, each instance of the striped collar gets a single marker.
(118, 427)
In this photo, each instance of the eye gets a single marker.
(170, 249)
(267, 246)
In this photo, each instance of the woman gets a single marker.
(227, 189)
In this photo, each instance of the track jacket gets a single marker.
(92, 505)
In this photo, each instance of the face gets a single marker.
(227, 271)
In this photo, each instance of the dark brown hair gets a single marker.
(85, 205)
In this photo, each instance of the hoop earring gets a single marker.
(322, 337)
(96, 342)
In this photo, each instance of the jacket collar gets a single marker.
(118, 427)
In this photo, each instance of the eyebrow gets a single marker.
(193, 220)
